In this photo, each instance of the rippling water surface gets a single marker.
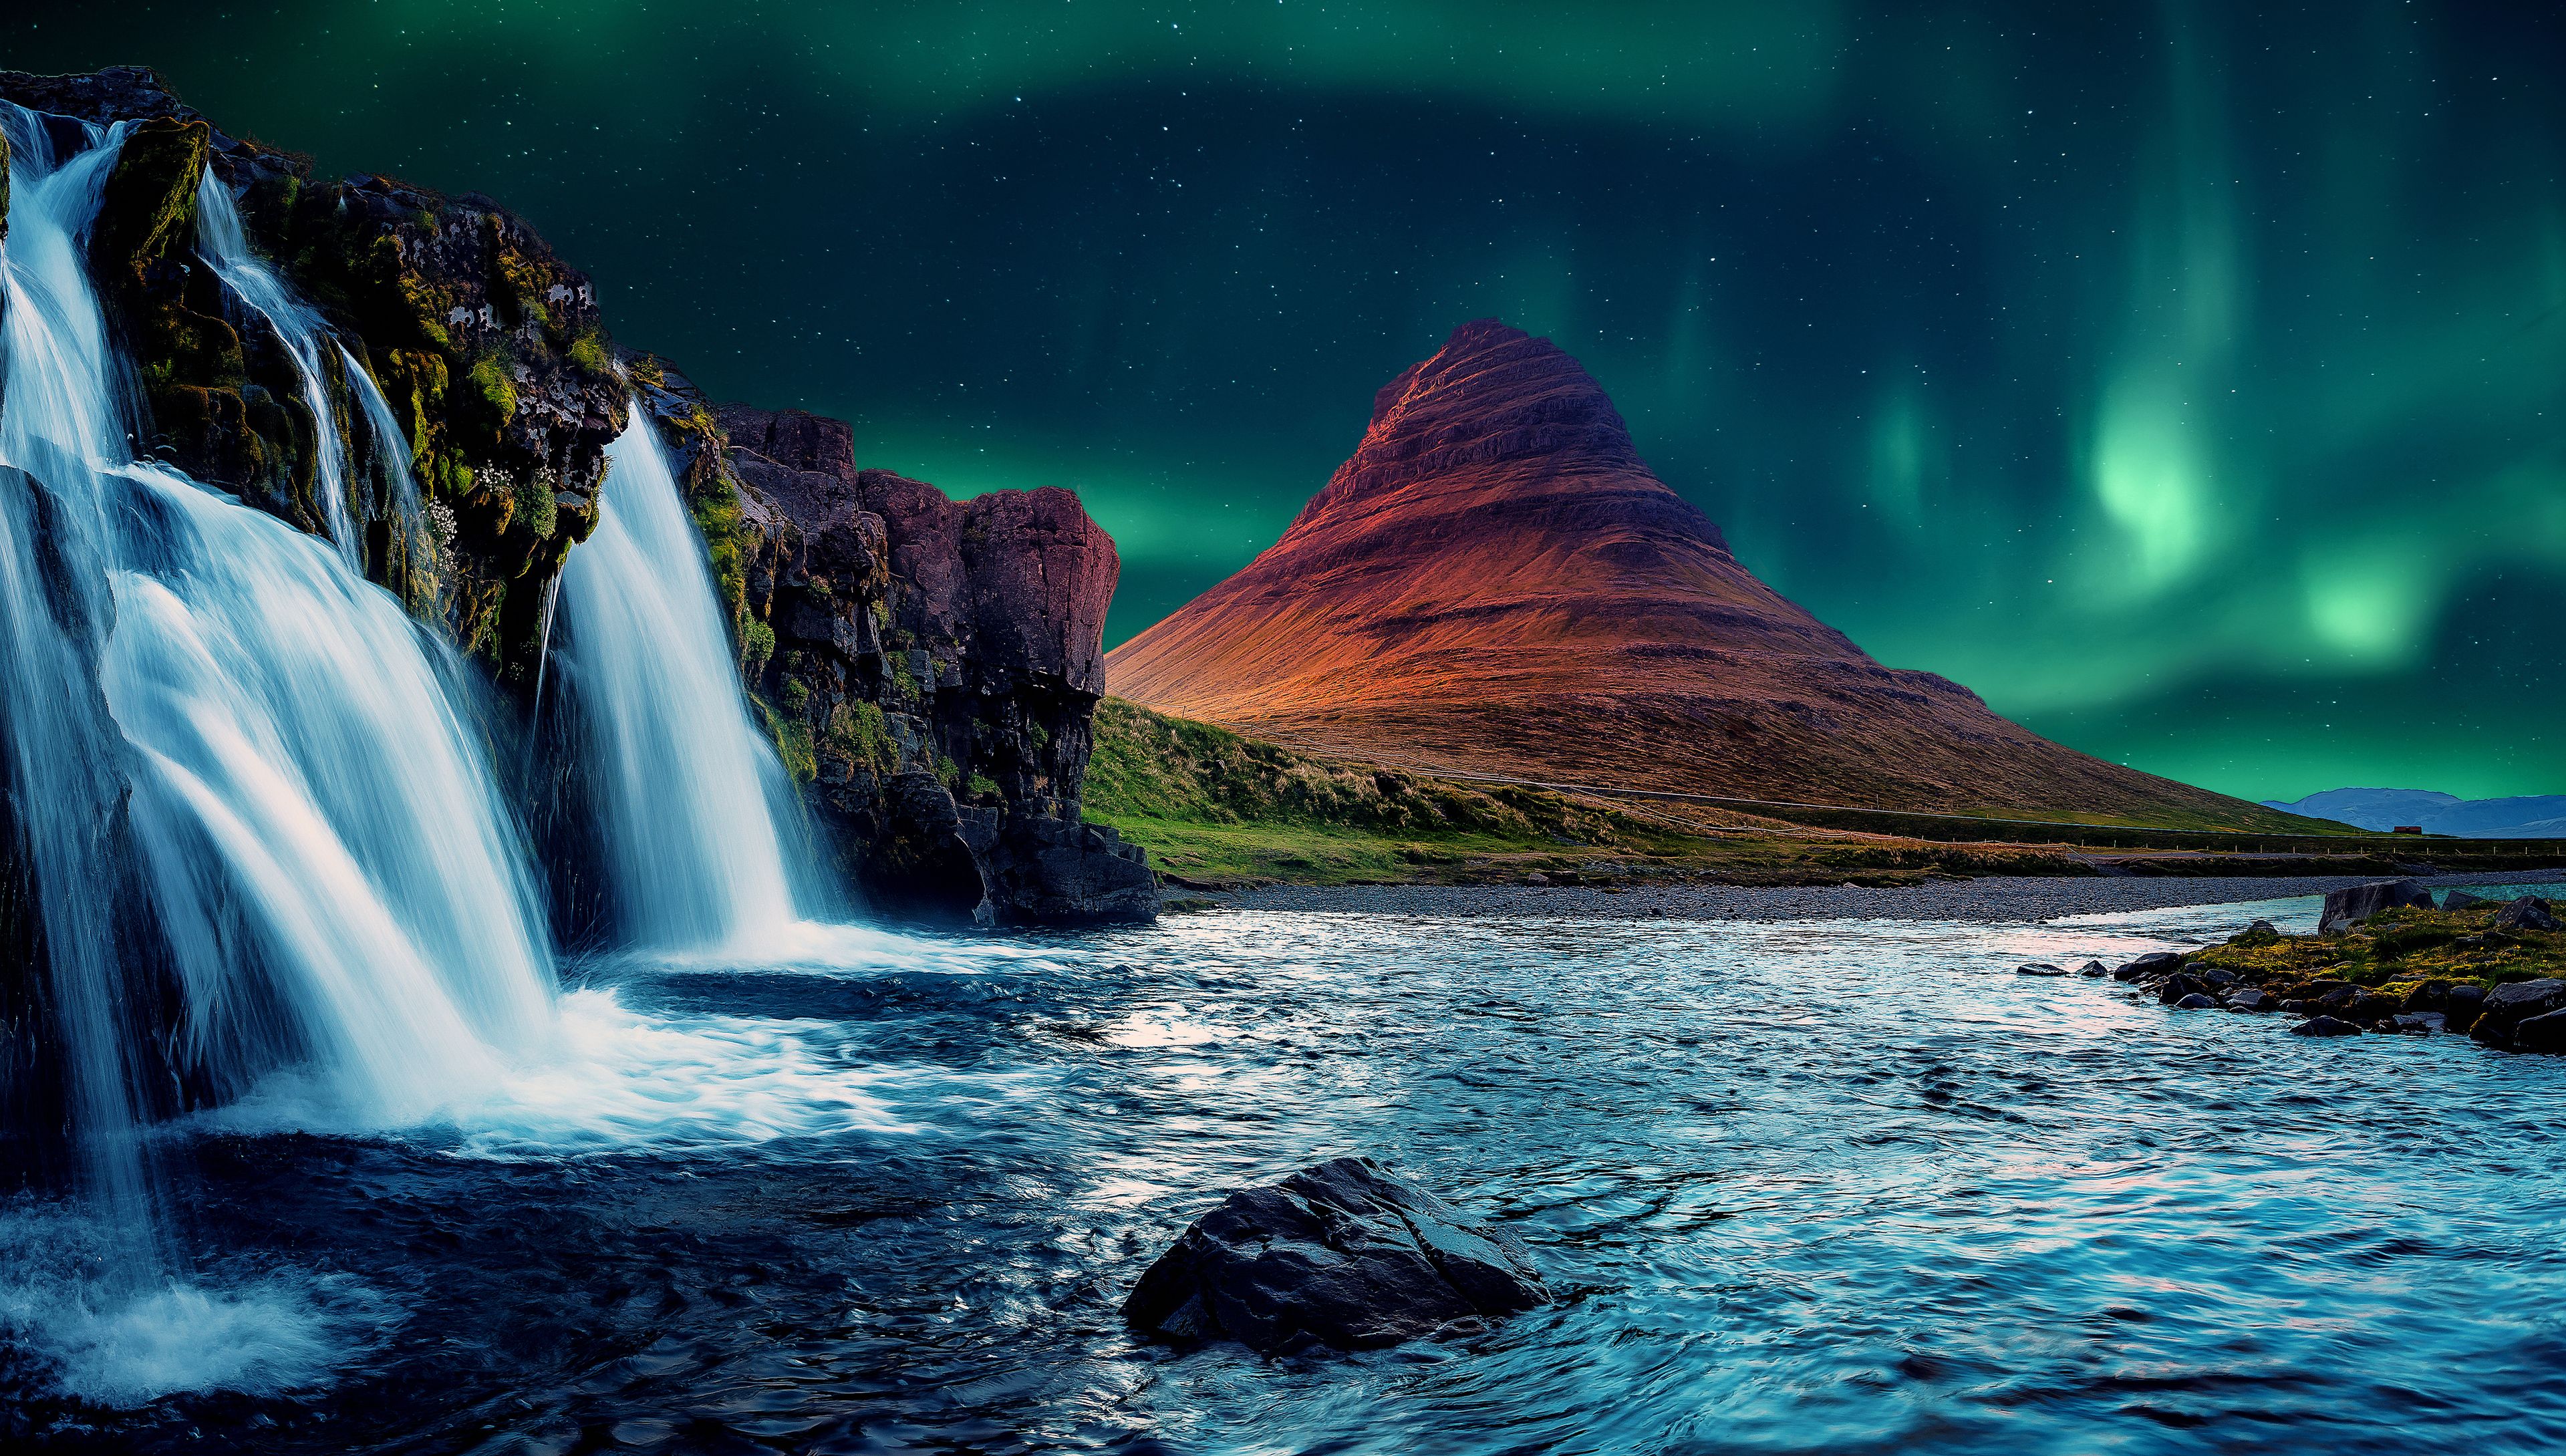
(1836, 1186)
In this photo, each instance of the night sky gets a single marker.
(2186, 379)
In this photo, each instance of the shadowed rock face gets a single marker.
(1494, 581)
(934, 664)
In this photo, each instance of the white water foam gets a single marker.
(109, 1342)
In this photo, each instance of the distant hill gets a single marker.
(1496, 584)
(2532, 817)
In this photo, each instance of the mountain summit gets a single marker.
(1495, 583)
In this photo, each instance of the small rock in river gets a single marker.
(2148, 965)
(2094, 968)
(2540, 1033)
(2219, 976)
(2418, 1023)
(2509, 1006)
(2250, 998)
(1341, 1255)
(2195, 1001)
(2325, 1025)
(2039, 968)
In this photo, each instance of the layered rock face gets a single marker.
(928, 668)
(1495, 583)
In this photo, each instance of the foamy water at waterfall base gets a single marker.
(1806, 1186)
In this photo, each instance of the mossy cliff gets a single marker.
(928, 669)
(488, 350)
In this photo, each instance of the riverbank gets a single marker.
(1991, 900)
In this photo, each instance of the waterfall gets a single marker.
(339, 885)
(63, 788)
(223, 245)
(688, 792)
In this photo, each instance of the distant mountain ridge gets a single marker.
(1495, 583)
(2529, 816)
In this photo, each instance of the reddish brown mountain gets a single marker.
(1495, 583)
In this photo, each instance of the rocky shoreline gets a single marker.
(2387, 959)
(1995, 900)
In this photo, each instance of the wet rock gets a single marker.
(2094, 969)
(2325, 1025)
(2418, 1023)
(2463, 1005)
(2529, 912)
(2544, 1033)
(2295, 1007)
(1343, 1256)
(2250, 998)
(2348, 906)
(2219, 976)
(2039, 968)
(2261, 932)
(2507, 1007)
(2152, 964)
(2178, 986)
(2196, 1002)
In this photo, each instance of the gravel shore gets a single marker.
(1993, 900)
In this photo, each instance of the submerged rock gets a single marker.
(2039, 968)
(1342, 1255)
(2348, 906)
(2325, 1025)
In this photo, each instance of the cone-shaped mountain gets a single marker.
(1495, 583)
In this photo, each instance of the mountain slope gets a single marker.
(1495, 583)
(2531, 816)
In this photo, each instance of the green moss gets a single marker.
(791, 739)
(981, 786)
(588, 351)
(756, 644)
(797, 693)
(535, 510)
(492, 380)
(862, 732)
(947, 772)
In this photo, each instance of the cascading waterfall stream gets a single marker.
(689, 794)
(225, 246)
(338, 880)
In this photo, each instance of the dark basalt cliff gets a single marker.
(927, 668)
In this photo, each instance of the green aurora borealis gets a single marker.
(2185, 378)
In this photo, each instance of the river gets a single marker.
(1808, 1186)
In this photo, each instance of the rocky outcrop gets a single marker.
(489, 349)
(2510, 1009)
(928, 668)
(2352, 904)
(1342, 1256)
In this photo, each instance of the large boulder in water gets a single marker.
(1342, 1255)
(2348, 906)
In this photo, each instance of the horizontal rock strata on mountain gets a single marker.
(1494, 581)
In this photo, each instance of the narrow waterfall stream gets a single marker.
(691, 798)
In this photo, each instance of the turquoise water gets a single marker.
(1834, 1187)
